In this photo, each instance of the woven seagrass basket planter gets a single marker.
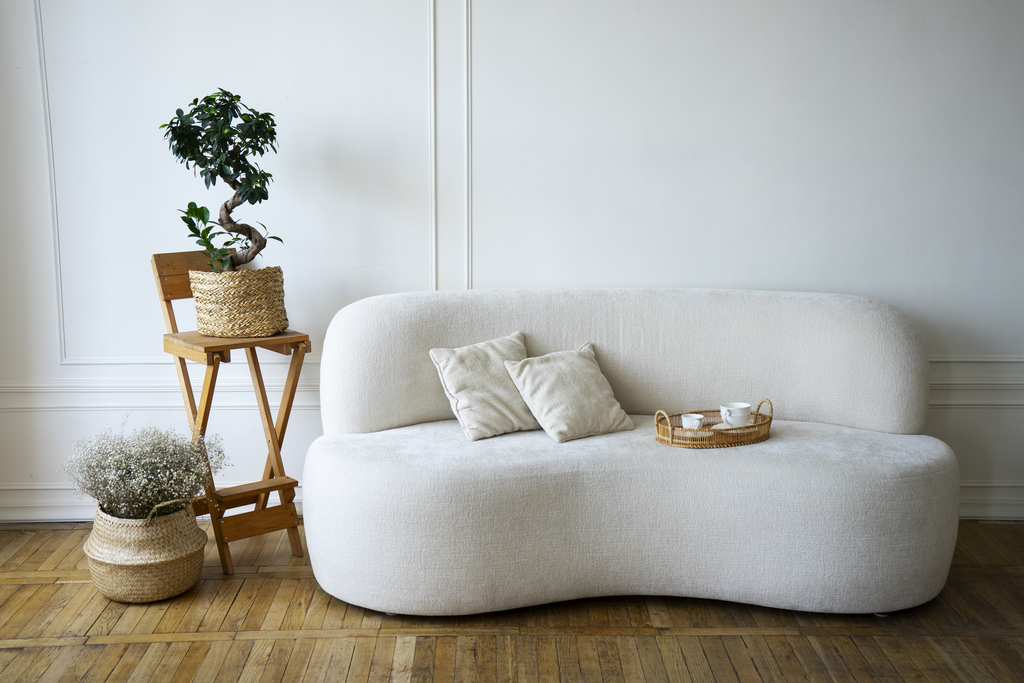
(239, 303)
(135, 560)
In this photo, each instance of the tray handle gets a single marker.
(771, 408)
(657, 418)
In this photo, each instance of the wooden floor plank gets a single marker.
(145, 670)
(811, 664)
(900, 659)
(126, 665)
(850, 655)
(998, 657)
(31, 607)
(961, 666)
(234, 661)
(33, 542)
(64, 662)
(742, 663)
(651, 661)
(872, 654)
(42, 619)
(320, 659)
(220, 606)
(361, 660)
(256, 662)
(445, 650)
(631, 663)
(72, 541)
(608, 657)
(786, 659)
(240, 606)
(190, 663)
(129, 619)
(108, 659)
(298, 660)
(718, 659)
(767, 668)
(277, 662)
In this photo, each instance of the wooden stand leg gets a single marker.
(291, 383)
(202, 418)
(274, 462)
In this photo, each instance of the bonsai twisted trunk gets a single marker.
(244, 230)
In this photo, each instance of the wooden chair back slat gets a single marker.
(171, 272)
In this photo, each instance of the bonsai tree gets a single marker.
(218, 137)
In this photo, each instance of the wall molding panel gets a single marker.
(459, 145)
(58, 502)
(431, 223)
(54, 220)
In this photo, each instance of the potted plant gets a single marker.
(145, 544)
(219, 137)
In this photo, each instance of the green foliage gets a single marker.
(197, 218)
(218, 137)
(208, 139)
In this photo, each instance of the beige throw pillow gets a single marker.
(568, 394)
(482, 395)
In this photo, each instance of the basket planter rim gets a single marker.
(239, 303)
(138, 551)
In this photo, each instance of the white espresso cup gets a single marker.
(692, 420)
(736, 414)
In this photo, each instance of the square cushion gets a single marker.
(482, 395)
(568, 394)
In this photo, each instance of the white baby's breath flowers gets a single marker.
(130, 475)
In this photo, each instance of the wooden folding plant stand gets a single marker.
(171, 272)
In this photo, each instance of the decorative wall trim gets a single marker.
(63, 504)
(432, 75)
(992, 500)
(978, 500)
(977, 382)
(140, 395)
(37, 6)
(432, 183)
(976, 359)
(469, 144)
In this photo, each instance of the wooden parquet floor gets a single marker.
(271, 622)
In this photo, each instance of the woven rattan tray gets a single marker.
(669, 429)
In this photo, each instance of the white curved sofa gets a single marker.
(845, 508)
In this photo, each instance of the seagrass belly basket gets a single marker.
(140, 560)
(239, 303)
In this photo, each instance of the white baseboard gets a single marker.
(59, 503)
(992, 500)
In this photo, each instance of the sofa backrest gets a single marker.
(819, 357)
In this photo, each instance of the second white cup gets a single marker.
(692, 420)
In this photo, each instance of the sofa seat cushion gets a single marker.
(819, 517)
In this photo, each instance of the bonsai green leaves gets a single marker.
(219, 137)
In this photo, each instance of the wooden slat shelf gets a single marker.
(271, 621)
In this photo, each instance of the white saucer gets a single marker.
(723, 425)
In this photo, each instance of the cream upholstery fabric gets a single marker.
(568, 395)
(844, 509)
(482, 396)
(822, 518)
(819, 357)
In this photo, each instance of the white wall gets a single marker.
(869, 148)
